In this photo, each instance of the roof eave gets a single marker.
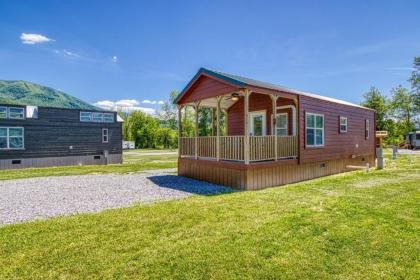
(204, 71)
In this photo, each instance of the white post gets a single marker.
(219, 99)
(246, 129)
(179, 129)
(274, 123)
(226, 132)
(196, 106)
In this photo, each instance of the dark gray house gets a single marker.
(33, 136)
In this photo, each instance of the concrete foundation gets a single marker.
(60, 161)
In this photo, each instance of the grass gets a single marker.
(134, 161)
(142, 151)
(349, 226)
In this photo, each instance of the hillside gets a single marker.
(27, 93)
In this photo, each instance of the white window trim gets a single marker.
(107, 135)
(287, 124)
(98, 114)
(251, 122)
(323, 131)
(110, 114)
(20, 108)
(4, 107)
(91, 119)
(347, 122)
(80, 116)
(367, 129)
(8, 138)
(293, 116)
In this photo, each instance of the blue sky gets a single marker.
(141, 50)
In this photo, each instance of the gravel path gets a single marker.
(37, 198)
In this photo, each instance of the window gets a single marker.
(257, 123)
(109, 118)
(282, 124)
(85, 116)
(3, 138)
(367, 129)
(314, 130)
(96, 117)
(16, 113)
(105, 136)
(3, 112)
(11, 138)
(343, 124)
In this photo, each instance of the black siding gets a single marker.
(56, 130)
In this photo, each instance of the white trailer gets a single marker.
(128, 145)
(413, 140)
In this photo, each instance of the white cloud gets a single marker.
(115, 59)
(125, 105)
(160, 102)
(67, 53)
(105, 104)
(31, 38)
(147, 101)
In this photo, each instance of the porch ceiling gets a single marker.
(225, 103)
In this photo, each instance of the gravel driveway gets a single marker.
(37, 198)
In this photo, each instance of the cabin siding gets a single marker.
(257, 102)
(206, 87)
(55, 130)
(337, 145)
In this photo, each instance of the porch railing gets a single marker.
(261, 148)
(232, 148)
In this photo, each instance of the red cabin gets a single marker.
(272, 135)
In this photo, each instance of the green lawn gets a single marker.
(350, 226)
(134, 160)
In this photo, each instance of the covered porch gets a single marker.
(259, 125)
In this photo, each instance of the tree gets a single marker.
(188, 121)
(375, 100)
(167, 138)
(204, 121)
(168, 112)
(415, 85)
(402, 109)
(142, 129)
(402, 104)
(124, 127)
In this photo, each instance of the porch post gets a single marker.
(273, 124)
(196, 107)
(219, 99)
(226, 132)
(212, 122)
(246, 129)
(179, 129)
